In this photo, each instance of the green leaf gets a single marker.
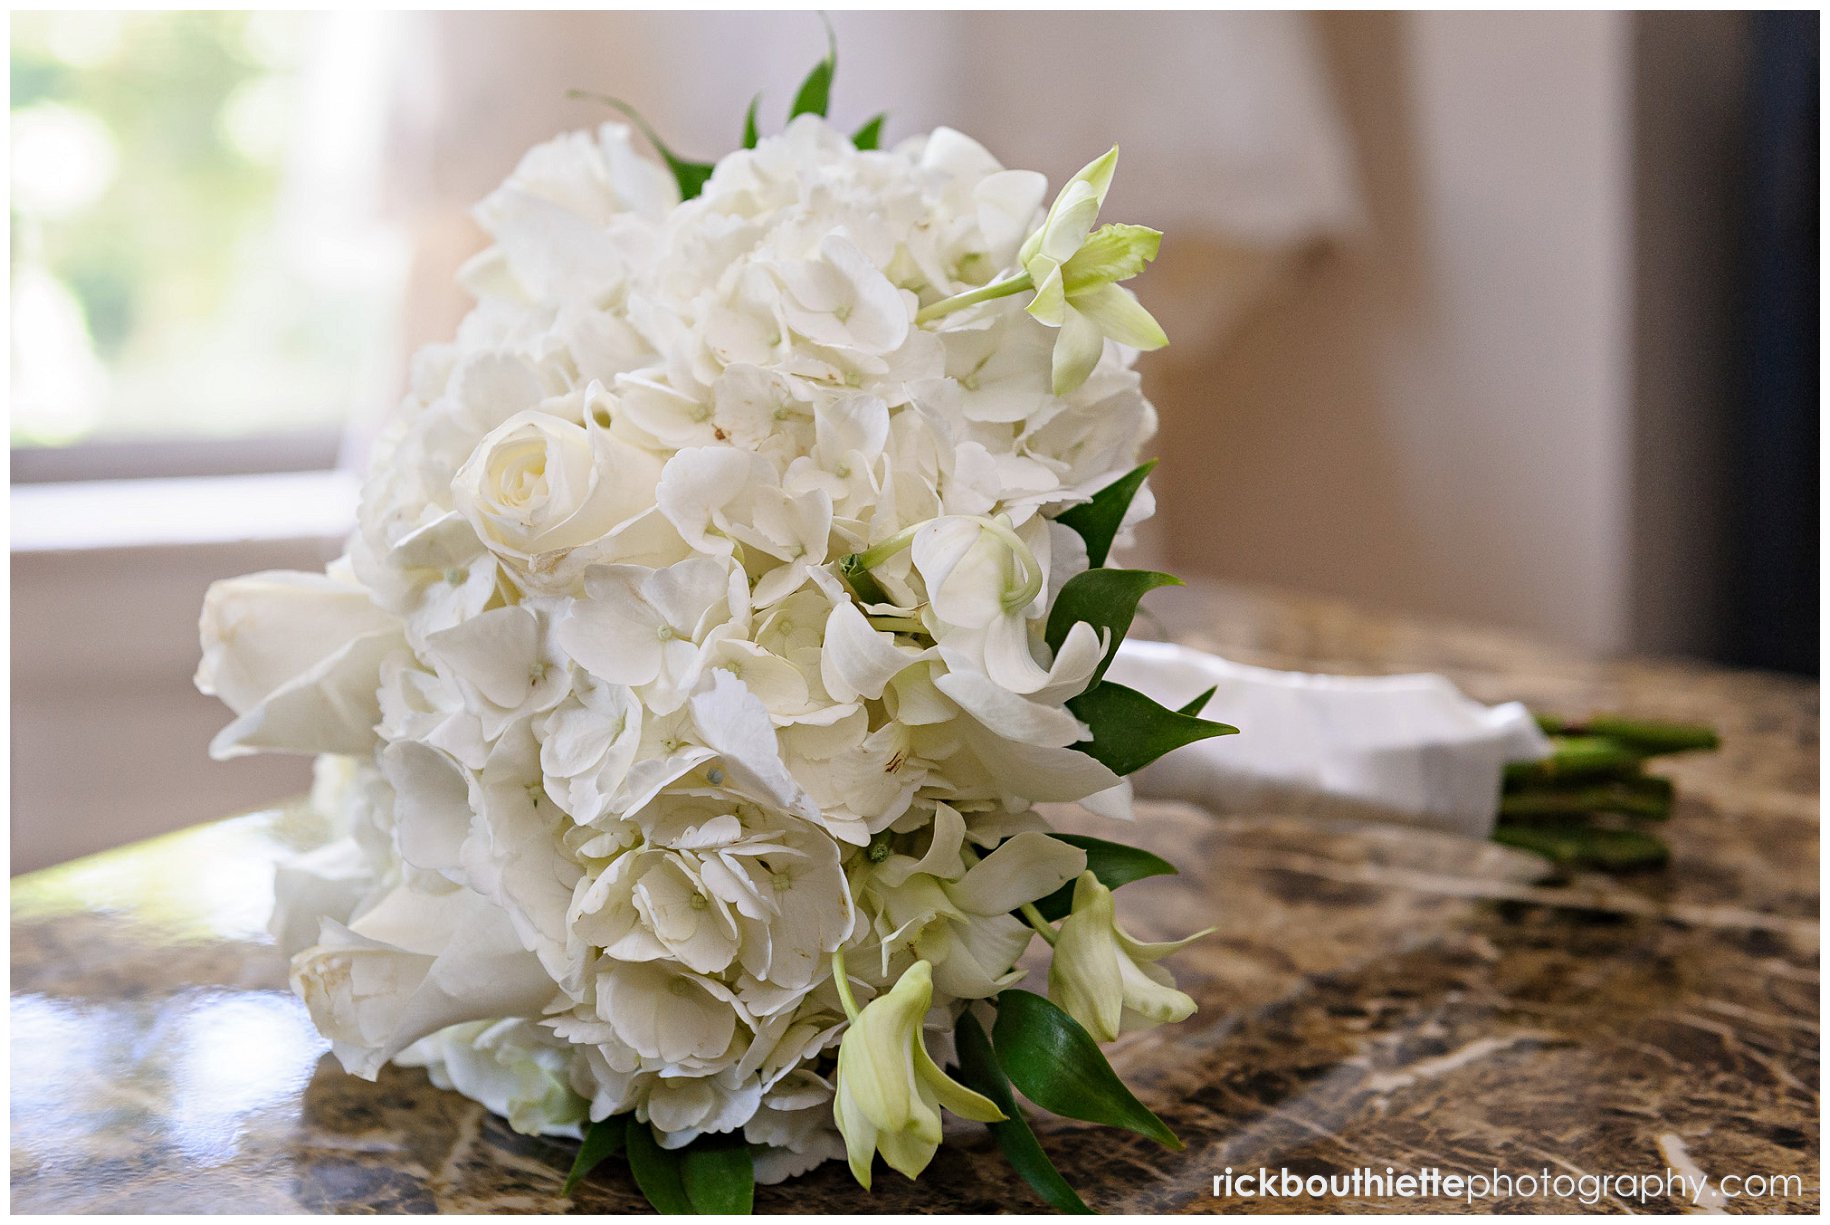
(1586, 846)
(603, 1140)
(978, 1069)
(1130, 730)
(1059, 1067)
(718, 1175)
(1098, 521)
(1113, 863)
(1106, 600)
(816, 91)
(858, 577)
(656, 1170)
(749, 123)
(690, 176)
(1199, 704)
(870, 136)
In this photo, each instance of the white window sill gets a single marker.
(82, 515)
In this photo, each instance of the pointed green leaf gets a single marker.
(1098, 521)
(1199, 704)
(718, 1175)
(1130, 730)
(816, 91)
(690, 176)
(870, 136)
(603, 1140)
(656, 1170)
(1059, 1067)
(978, 1069)
(1106, 600)
(1113, 863)
(749, 123)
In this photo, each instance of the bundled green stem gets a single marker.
(1581, 806)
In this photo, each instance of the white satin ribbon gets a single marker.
(1412, 750)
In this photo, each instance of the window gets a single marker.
(198, 247)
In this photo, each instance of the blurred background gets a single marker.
(1507, 318)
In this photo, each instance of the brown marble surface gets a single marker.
(1371, 998)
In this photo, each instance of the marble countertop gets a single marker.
(1371, 998)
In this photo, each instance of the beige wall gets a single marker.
(1436, 416)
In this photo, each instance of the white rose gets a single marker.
(539, 486)
(297, 657)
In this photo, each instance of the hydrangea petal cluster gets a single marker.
(620, 757)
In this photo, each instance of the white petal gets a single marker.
(701, 486)
(1023, 869)
(496, 651)
(856, 660)
(735, 725)
(432, 811)
(1014, 717)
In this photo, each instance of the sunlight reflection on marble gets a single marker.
(235, 1055)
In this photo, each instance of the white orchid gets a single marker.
(957, 911)
(1076, 271)
(890, 1090)
(1106, 979)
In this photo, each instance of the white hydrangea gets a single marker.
(624, 760)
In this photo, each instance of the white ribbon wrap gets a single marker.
(1411, 750)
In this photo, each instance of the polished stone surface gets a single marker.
(1370, 999)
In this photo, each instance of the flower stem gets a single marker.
(883, 550)
(1043, 927)
(972, 297)
(846, 999)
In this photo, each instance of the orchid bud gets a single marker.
(1103, 978)
(889, 1089)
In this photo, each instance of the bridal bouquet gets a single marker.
(724, 598)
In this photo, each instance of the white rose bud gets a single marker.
(297, 657)
(411, 965)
